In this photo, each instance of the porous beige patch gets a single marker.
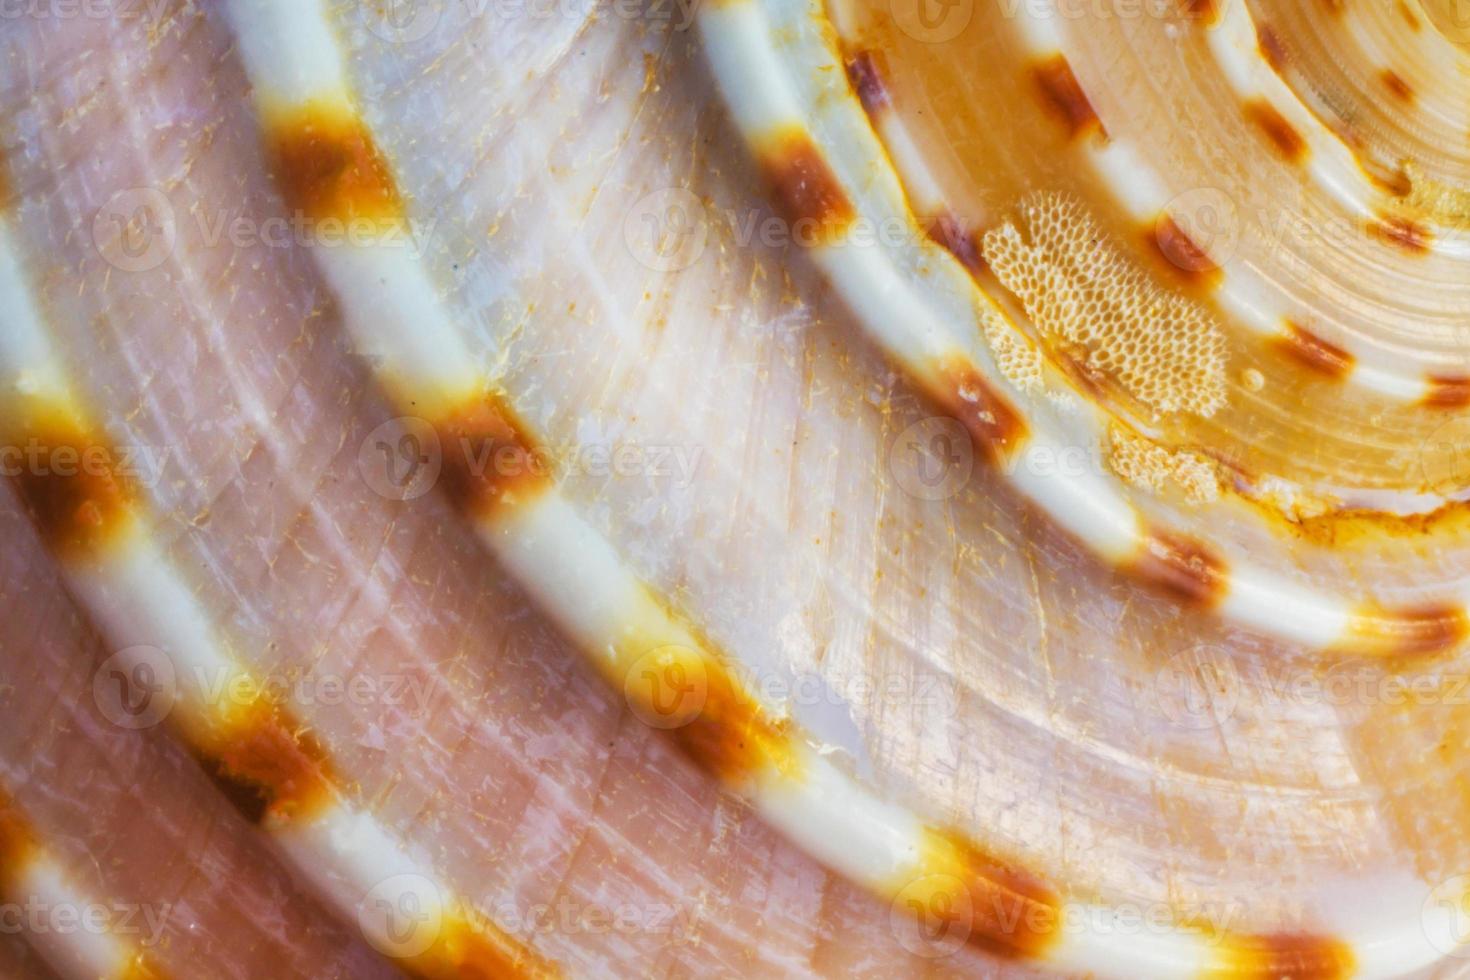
(1436, 201)
(1019, 360)
(1151, 467)
(1087, 296)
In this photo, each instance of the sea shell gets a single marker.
(744, 489)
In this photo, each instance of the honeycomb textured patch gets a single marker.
(1017, 359)
(1151, 467)
(1083, 293)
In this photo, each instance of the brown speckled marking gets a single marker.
(1283, 136)
(806, 191)
(1185, 568)
(269, 769)
(328, 166)
(1447, 391)
(996, 428)
(1274, 957)
(69, 479)
(1409, 16)
(1010, 912)
(1271, 47)
(865, 74)
(1401, 233)
(1335, 7)
(1422, 631)
(947, 232)
(1180, 252)
(1064, 94)
(1309, 349)
(1397, 85)
(490, 461)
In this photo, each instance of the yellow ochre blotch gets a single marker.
(1064, 94)
(464, 949)
(329, 167)
(1266, 957)
(676, 680)
(807, 193)
(1420, 631)
(1181, 566)
(992, 903)
(491, 462)
(17, 843)
(1314, 352)
(69, 476)
(270, 768)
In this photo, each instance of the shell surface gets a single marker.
(757, 488)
